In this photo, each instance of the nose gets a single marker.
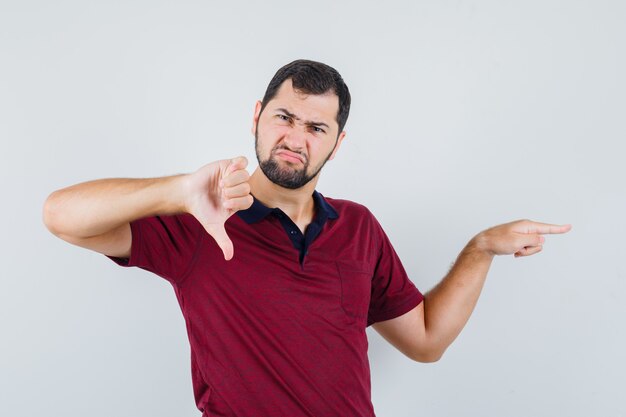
(295, 138)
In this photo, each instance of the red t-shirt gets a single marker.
(273, 333)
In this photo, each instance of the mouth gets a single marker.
(290, 156)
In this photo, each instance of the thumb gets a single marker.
(240, 162)
(218, 232)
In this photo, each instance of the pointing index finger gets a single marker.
(545, 228)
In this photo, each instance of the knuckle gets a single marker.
(237, 174)
(242, 176)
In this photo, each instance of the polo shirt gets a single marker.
(323, 211)
(280, 329)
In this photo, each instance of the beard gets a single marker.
(286, 177)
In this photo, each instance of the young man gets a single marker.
(277, 297)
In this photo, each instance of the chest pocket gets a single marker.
(356, 287)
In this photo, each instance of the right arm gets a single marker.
(96, 214)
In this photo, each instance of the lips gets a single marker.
(290, 156)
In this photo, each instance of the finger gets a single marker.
(546, 228)
(238, 203)
(527, 240)
(234, 178)
(529, 250)
(218, 232)
(240, 162)
(239, 190)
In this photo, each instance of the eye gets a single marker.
(317, 129)
(283, 117)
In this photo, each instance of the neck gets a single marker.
(297, 204)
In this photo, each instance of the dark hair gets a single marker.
(311, 77)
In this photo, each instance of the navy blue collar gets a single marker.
(258, 211)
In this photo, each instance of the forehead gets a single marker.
(310, 107)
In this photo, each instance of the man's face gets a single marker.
(295, 135)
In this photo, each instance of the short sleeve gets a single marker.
(393, 293)
(164, 245)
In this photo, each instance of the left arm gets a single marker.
(424, 333)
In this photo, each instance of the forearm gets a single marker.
(95, 207)
(448, 306)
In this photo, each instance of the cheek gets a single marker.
(318, 148)
(268, 138)
(278, 131)
(275, 135)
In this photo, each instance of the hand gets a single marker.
(215, 192)
(522, 237)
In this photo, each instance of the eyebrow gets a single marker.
(307, 122)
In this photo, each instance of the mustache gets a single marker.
(282, 147)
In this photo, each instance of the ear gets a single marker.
(339, 140)
(257, 113)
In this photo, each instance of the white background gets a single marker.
(465, 115)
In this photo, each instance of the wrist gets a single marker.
(480, 246)
(177, 193)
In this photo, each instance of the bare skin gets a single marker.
(425, 332)
(302, 140)
(300, 133)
